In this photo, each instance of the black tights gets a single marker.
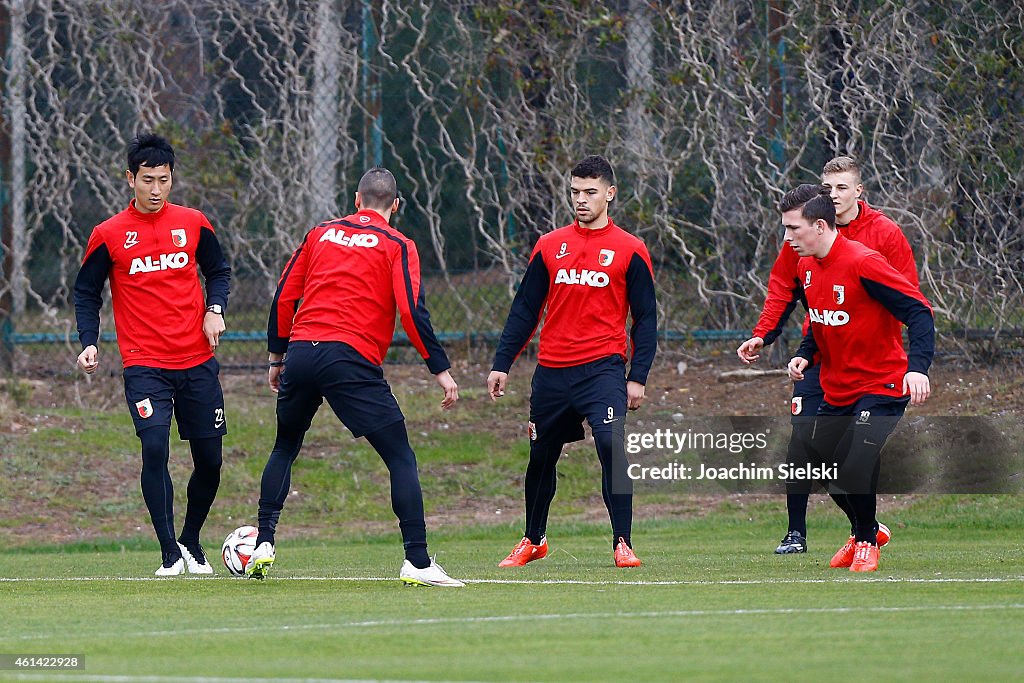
(158, 490)
(542, 479)
(392, 444)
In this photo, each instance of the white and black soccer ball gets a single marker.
(238, 548)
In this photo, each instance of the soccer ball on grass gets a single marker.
(238, 548)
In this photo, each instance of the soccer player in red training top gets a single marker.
(167, 333)
(857, 221)
(351, 275)
(856, 302)
(582, 278)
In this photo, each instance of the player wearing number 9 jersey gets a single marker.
(582, 280)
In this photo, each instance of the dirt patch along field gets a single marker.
(70, 459)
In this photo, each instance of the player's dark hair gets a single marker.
(815, 201)
(377, 188)
(594, 166)
(149, 150)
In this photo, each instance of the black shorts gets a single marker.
(354, 387)
(807, 396)
(561, 398)
(193, 396)
(852, 437)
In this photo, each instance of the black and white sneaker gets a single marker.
(794, 542)
(173, 565)
(195, 559)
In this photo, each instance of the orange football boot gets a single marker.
(624, 555)
(883, 535)
(865, 557)
(525, 552)
(844, 556)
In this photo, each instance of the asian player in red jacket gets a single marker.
(167, 331)
(857, 303)
(582, 280)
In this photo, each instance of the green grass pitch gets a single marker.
(711, 603)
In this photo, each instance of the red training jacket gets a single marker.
(351, 275)
(871, 228)
(151, 259)
(584, 282)
(856, 302)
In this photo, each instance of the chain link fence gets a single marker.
(709, 111)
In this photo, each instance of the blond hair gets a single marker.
(841, 165)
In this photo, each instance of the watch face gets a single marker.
(215, 308)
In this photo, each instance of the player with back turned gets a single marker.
(855, 220)
(330, 326)
(856, 302)
(582, 280)
(167, 332)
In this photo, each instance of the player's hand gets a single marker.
(750, 350)
(88, 360)
(451, 389)
(213, 327)
(796, 368)
(917, 385)
(274, 379)
(634, 395)
(496, 384)
(274, 373)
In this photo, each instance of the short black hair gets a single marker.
(594, 166)
(148, 149)
(377, 188)
(814, 199)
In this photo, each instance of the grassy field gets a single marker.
(711, 603)
(72, 465)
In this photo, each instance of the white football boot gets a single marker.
(261, 561)
(194, 564)
(434, 575)
(175, 569)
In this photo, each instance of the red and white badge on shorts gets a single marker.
(798, 405)
(145, 408)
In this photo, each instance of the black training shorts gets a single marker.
(193, 396)
(561, 398)
(354, 387)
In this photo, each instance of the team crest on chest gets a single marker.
(838, 293)
(178, 237)
(606, 257)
